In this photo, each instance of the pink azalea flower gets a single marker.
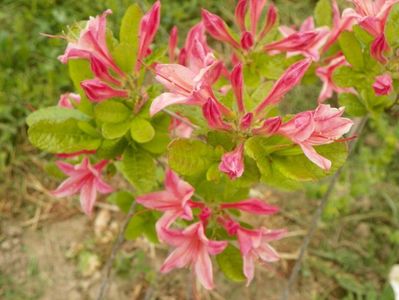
(190, 81)
(101, 71)
(340, 24)
(149, 25)
(372, 16)
(322, 126)
(65, 100)
(84, 178)
(240, 12)
(325, 73)
(232, 163)
(383, 85)
(217, 28)
(291, 77)
(307, 41)
(97, 90)
(255, 244)
(253, 206)
(246, 121)
(255, 11)
(193, 249)
(175, 199)
(92, 43)
(247, 40)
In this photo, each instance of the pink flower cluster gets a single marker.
(192, 246)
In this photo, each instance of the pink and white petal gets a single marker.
(88, 195)
(179, 258)
(162, 200)
(315, 157)
(66, 168)
(102, 186)
(248, 267)
(216, 247)
(70, 186)
(203, 269)
(165, 100)
(267, 253)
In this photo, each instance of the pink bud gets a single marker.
(291, 77)
(270, 20)
(173, 38)
(213, 115)
(255, 7)
(378, 48)
(253, 206)
(240, 12)
(232, 163)
(148, 28)
(65, 100)
(383, 85)
(269, 127)
(246, 121)
(247, 40)
(217, 28)
(97, 90)
(236, 78)
(100, 70)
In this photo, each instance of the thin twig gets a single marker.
(180, 118)
(317, 215)
(115, 248)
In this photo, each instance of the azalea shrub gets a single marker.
(194, 126)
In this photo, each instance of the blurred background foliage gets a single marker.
(359, 241)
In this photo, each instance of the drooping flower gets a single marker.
(212, 113)
(255, 244)
(174, 199)
(97, 90)
(325, 73)
(322, 126)
(67, 99)
(232, 163)
(378, 49)
(383, 85)
(92, 43)
(307, 41)
(83, 178)
(253, 206)
(149, 25)
(193, 249)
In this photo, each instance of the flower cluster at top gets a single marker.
(120, 116)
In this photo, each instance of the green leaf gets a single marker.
(352, 49)
(353, 105)
(110, 149)
(141, 130)
(130, 25)
(122, 199)
(392, 27)
(190, 157)
(161, 138)
(142, 223)
(61, 137)
(138, 167)
(55, 113)
(231, 264)
(111, 112)
(79, 70)
(300, 168)
(347, 77)
(88, 128)
(323, 13)
(114, 130)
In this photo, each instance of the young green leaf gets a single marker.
(55, 113)
(141, 130)
(138, 167)
(111, 112)
(231, 264)
(61, 137)
(352, 49)
(323, 13)
(114, 130)
(392, 27)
